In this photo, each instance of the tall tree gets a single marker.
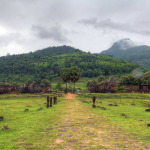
(74, 75)
(65, 75)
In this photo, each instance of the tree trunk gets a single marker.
(66, 88)
(74, 88)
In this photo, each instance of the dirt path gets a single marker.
(82, 129)
(73, 126)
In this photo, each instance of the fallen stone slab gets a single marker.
(1, 118)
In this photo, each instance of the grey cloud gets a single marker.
(56, 33)
(53, 21)
(108, 23)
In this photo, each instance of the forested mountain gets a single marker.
(125, 49)
(43, 65)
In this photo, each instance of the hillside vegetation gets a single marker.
(43, 65)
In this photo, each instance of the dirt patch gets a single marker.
(86, 141)
(69, 148)
(90, 134)
(51, 146)
(80, 128)
(70, 96)
(83, 146)
(58, 141)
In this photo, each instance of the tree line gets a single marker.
(45, 65)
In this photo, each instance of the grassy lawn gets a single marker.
(72, 125)
(129, 113)
(26, 127)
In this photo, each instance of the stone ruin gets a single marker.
(35, 88)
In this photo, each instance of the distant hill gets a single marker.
(45, 64)
(125, 49)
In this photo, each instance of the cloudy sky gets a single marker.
(90, 25)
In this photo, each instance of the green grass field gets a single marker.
(23, 124)
(129, 115)
(38, 127)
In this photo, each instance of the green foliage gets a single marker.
(65, 74)
(146, 78)
(121, 89)
(93, 82)
(70, 75)
(47, 63)
(130, 79)
(101, 79)
(74, 74)
(59, 86)
(127, 80)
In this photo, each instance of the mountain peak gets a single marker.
(123, 44)
(131, 51)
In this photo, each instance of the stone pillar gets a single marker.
(1, 118)
(47, 101)
(94, 100)
(55, 100)
(50, 101)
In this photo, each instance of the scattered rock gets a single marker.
(94, 106)
(85, 102)
(49, 129)
(90, 118)
(148, 124)
(83, 146)
(147, 105)
(6, 128)
(60, 134)
(103, 108)
(124, 115)
(147, 110)
(111, 105)
(72, 141)
(1, 118)
(39, 109)
(90, 134)
(26, 110)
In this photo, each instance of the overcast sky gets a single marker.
(90, 25)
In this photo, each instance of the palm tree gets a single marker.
(65, 75)
(74, 75)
